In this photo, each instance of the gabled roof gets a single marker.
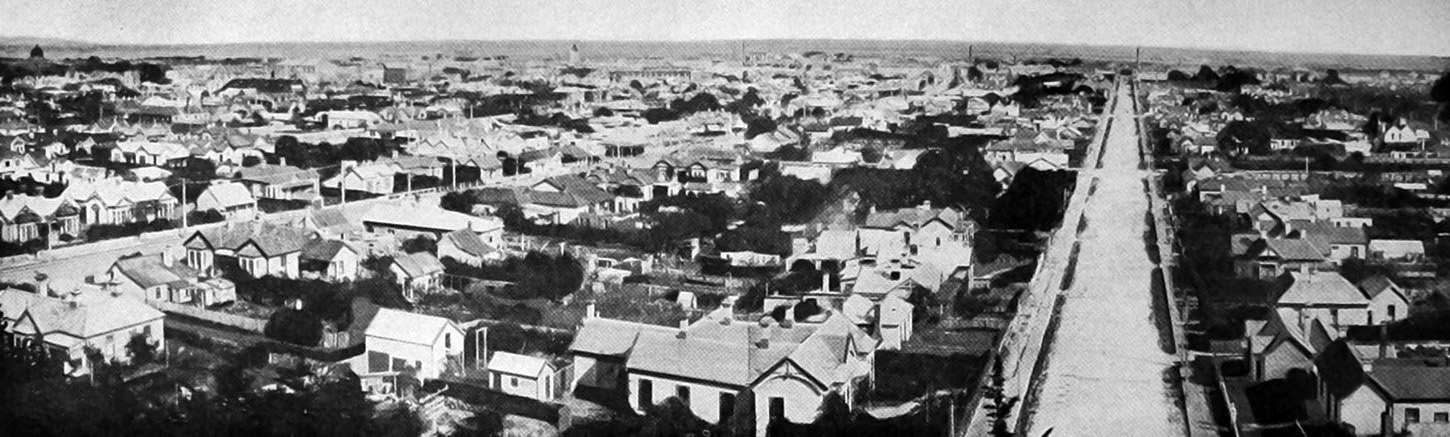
(1296, 249)
(418, 264)
(515, 364)
(150, 271)
(1374, 285)
(913, 217)
(262, 239)
(1412, 382)
(93, 314)
(408, 327)
(468, 242)
(319, 249)
(228, 195)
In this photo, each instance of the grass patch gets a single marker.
(1071, 271)
(1162, 318)
(1150, 239)
(1029, 399)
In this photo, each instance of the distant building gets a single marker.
(37, 52)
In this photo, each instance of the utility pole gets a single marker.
(183, 203)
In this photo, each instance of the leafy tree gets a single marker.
(293, 326)
(1206, 75)
(792, 199)
(421, 243)
(459, 201)
(141, 349)
(1440, 93)
(998, 404)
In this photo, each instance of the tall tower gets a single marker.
(574, 55)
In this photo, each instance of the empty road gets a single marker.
(1104, 368)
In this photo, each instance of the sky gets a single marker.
(1410, 27)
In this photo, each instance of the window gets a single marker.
(146, 330)
(777, 408)
(727, 406)
(1442, 417)
(448, 340)
(683, 393)
(1412, 415)
(646, 393)
(1334, 316)
(1391, 315)
(513, 382)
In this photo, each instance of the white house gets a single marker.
(334, 260)
(1395, 397)
(522, 375)
(467, 247)
(78, 321)
(232, 199)
(417, 273)
(400, 341)
(787, 367)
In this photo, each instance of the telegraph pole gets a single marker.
(183, 203)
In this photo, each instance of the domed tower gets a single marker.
(37, 53)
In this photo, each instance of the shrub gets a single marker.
(296, 327)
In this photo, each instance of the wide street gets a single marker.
(1104, 367)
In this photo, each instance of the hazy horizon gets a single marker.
(1396, 27)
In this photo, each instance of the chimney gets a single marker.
(1384, 341)
(167, 259)
(925, 204)
(684, 323)
(42, 283)
(763, 343)
(590, 311)
(281, 160)
(1306, 269)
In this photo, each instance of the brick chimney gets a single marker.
(684, 323)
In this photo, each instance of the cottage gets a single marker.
(1397, 250)
(1325, 296)
(402, 343)
(787, 368)
(467, 247)
(522, 375)
(417, 272)
(333, 260)
(160, 278)
(32, 218)
(259, 249)
(1388, 302)
(231, 199)
(562, 199)
(280, 182)
(1394, 396)
(72, 324)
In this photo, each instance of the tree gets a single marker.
(420, 244)
(1440, 93)
(792, 199)
(141, 349)
(1206, 75)
(999, 405)
(293, 326)
(458, 201)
